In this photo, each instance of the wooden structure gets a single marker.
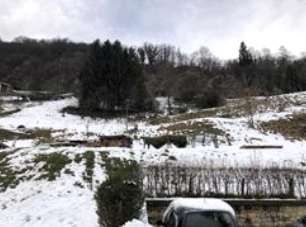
(5, 89)
(261, 147)
(103, 141)
(115, 141)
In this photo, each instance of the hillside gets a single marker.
(49, 184)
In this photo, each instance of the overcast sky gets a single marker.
(218, 24)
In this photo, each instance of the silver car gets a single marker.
(198, 213)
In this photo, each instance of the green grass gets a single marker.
(52, 166)
(8, 177)
(78, 158)
(89, 157)
(104, 155)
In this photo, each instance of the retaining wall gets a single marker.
(250, 213)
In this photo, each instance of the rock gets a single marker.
(3, 146)
(21, 127)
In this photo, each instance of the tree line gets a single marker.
(112, 76)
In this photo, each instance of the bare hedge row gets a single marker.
(170, 180)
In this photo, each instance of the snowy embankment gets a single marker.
(68, 200)
(48, 115)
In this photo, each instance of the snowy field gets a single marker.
(62, 202)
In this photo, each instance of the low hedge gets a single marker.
(158, 142)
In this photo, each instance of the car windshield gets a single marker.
(209, 219)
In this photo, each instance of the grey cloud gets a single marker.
(219, 24)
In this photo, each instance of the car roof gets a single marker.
(200, 204)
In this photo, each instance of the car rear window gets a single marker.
(209, 219)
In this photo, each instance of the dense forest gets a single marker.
(41, 65)
(199, 78)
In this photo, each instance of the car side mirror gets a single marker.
(159, 223)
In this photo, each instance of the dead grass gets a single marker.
(44, 135)
(7, 113)
(10, 135)
(241, 107)
(233, 108)
(41, 134)
(183, 117)
(293, 128)
(192, 128)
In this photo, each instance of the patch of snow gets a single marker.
(48, 204)
(20, 143)
(136, 223)
(204, 204)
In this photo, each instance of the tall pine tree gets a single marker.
(246, 72)
(89, 79)
(245, 57)
(112, 79)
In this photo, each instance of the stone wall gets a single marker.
(250, 213)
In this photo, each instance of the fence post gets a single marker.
(242, 186)
(291, 188)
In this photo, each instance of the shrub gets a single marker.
(8, 176)
(120, 197)
(89, 157)
(158, 142)
(208, 99)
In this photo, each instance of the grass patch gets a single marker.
(7, 113)
(78, 158)
(115, 164)
(52, 166)
(98, 113)
(244, 106)
(9, 135)
(89, 157)
(293, 128)
(192, 128)
(104, 157)
(157, 120)
(41, 134)
(8, 177)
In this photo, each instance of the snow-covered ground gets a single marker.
(47, 115)
(62, 203)
(136, 223)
